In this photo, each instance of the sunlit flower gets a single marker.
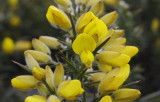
(70, 89)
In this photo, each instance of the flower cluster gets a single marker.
(92, 55)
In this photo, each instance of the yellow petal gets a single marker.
(104, 67)
(84, 20)
(96, 77)
(36, 98)
(39, 56)
(64, 2)
(22, 45)
(7, 45)
(31, 62)
(49, 77)
(58, 75)
(40, 46)
(130, 51)
(106, 99)
(117, 41)
(39, 73)
(57, 17)
(51, 42)
(82, 43)
(127, 94)
(111, 58)
(42, 89)
(24, 82)
(70, 89)
(87, 58)
(13, 3)
(116, 48)
(114, 79)
(96, 9)
(53, 98)
(118, 33)
(96, 27)
(111, 82)
(110, 18)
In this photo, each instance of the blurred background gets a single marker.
(22, 20)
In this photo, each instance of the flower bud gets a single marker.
(96, 77)
(92, 2)
(8, 45)
(40, 46)
(110, 18)
(12, 3)
(58, 75)
(51, 42)
(106, 99)
(42, 89)
(57, 17)
(118, 33)
(39, 56)
(111, 58)
(53, 98)
(22, 45)
(84, 20)
(15, 21)
(97, 8)
(70, 89)
(49, 77)
(117, 41)
(127, 94)
(104, 67)
(31, 62)
(24, 82)
(65, 3)
(36, 98)
(155, 24)
(39, 73)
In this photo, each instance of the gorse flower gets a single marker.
(92, 54)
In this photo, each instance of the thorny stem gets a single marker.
(129, 84)
(73, 25)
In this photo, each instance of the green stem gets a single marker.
(73, 25)
(80, 75)
(100, 46)
(89, 83)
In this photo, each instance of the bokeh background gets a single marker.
(25, 19)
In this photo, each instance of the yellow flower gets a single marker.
(40, 46)
(84, 20)
(106, 99)
(58, 18)
(112, 2)
(110, 18)
(114, 79)
(51, 42)
(112, 58)
(31, 62)
(104, 67)
(96, 29)
(70, 89)
(24, 82)
(15, 21)
(155, 24)
(22, 45)
(97, 77)
(84, 45)
(127, 94)
(36, 98)
(39, 73)
(65, 3)
(8, 45)
(39, 56)
(127, 50)
(53, 98)
(58, 75)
